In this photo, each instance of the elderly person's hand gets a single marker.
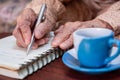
(64, 38)
(26, 21)
(24, 28)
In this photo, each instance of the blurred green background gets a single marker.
(9, 10)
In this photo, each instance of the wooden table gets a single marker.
(56, 70)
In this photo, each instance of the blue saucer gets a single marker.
(70, 59)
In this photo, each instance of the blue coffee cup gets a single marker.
(94, 46)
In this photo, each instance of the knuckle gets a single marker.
(29, 14)
(27, 22)
(42, 32)
(21, 26)
(44, 28)
(23, 22)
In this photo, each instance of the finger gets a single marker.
(42, 29)
(67, 43)
(25, 22)
(27, 15)
(60, 37)
(18, 35)
(35, 45)
(42, 41)
(59, 29)
(65, 33)
(18, 44)
(26, 32)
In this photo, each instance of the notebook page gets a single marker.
(11, 56)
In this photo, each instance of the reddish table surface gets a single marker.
(56, 70)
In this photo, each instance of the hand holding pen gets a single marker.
(23, 31)
(39, 20)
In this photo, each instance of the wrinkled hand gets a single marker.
(23, 30)
(64, 38)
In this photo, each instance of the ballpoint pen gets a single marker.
(39, 20)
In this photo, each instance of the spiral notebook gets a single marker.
(16, 64)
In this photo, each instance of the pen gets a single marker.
(39, 20)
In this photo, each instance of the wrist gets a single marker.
(105, 24)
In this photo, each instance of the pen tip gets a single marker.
(28, 50)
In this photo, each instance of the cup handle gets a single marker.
(111, 43)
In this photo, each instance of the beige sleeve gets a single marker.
(65, 0)
(54, 9)
(112, 17)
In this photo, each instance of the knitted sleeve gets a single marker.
(112, 17)
(54, 8)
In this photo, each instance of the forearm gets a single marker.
(54, 8)
(112, 17)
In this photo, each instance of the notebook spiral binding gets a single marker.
(41, 60)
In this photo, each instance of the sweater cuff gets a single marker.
(112, 17)
(54, 9)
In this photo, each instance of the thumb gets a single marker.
(42, 29)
